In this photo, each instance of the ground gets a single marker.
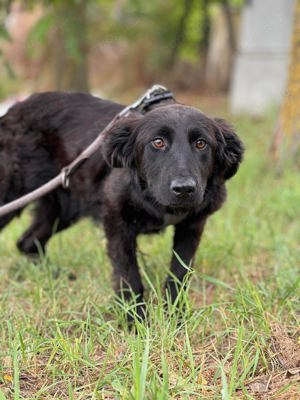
(63, 335)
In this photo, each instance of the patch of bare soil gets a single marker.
(286, 349)
(283, 384)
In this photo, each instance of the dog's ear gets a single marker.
(119, 141)
(230, 149)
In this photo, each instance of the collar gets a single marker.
(153, 96)
(158, 95)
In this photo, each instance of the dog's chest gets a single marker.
(172, 219)
(156, 225)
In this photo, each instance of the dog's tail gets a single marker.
(4, 186)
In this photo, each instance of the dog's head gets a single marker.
(176, 151)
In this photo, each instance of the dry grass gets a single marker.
(63, 338)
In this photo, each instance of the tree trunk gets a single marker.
(180, 34)
(79, 74)
(286, 139)
(71, 47)
(230, 25)
(221, 49)
(204, 40)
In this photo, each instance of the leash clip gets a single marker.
(153, 95)
(65, 180)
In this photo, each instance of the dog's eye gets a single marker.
(159, 143)
(200, 144)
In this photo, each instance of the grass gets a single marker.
(63, 334)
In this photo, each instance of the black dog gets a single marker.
(167, 167)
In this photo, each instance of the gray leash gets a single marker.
(151, 96)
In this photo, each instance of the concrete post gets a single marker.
(260, 69)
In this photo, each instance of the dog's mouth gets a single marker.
(177, 210)
(175, 207)
(186, 202)
(180, 208)
(178, 204)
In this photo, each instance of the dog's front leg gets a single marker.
(121, 245)
(186, 239)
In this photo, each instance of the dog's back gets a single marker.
(44, 133)
(57, 118)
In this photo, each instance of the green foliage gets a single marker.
(58, 15)
(4, 33)
(40, 32)
(155, 23)
(5, 67)
(160, 20)
(153, 30)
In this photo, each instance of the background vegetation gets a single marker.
(150, 40)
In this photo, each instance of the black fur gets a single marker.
(129, 185)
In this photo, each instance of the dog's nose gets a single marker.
(183, 186)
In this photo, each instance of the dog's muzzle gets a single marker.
(183, 188)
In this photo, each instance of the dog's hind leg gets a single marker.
(6, 197)
(48, 219)
(6, 219)
(34, 239)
